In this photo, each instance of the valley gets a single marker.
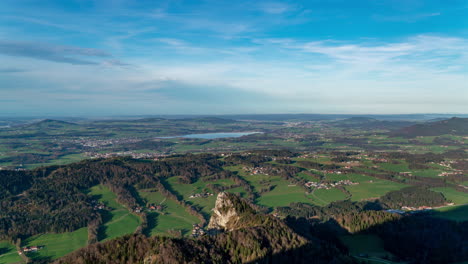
(349, 186)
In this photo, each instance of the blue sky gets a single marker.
(129, 57)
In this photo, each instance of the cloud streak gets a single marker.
(417, 54)
(409, 18)
(276, 8)
(62, 54)
(12, 70)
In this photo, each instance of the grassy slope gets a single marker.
(372, 189)
(57, 245)
(185, 190)
(451, 194)
(282, 194)
(8, 253)
(120, 220)
(368, 187)
(174, 216)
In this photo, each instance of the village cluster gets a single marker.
(135, 155)
(97, 143)
(327, 186)
(200, 195)
(256, 170)
(412, 210)
(137, 209)
(149, 208)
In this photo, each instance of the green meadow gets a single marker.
(399, 167)
(56, 245)
(373, 188)
(186, 190)
(8, 253)
(451, 194)
(119, 220)
(173, 217)
(323, 197)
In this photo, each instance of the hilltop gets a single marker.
(211, 120)
(51, 124)
(371, 123)
(452, 126)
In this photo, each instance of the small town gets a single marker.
(412, 210)
(200, 195)
(135, 155)
(327, 186)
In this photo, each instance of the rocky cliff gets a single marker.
(228, 212)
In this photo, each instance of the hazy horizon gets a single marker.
(419, 116)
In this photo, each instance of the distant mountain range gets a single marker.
(51, 124)
(371, 123)
(257, 117)
(454, 126)
(318, 117)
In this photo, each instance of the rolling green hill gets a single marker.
(453, 126)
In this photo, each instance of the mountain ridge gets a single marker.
(454, 126)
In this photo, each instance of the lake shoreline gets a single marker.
(213, 135)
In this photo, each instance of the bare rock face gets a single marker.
(225, 214)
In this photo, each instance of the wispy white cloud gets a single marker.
(11, 70)
(423, 53)
(64, 54)
(419, 74)
(44, 22)
(276, 7)
(59, 53)
(409, 18)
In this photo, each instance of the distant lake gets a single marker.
(215, 135)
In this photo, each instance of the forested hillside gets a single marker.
(309, 205)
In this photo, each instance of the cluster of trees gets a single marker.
(28, 158)
(327, 212)
(316, 165)
(246, 160)
(454, 126)
(146, 144)
(416, 158)
(189, 167)
(343, 156)
(412, 196)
